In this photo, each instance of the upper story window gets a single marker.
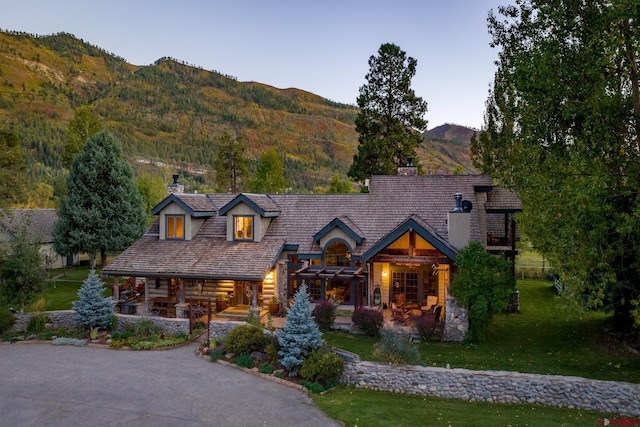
(175, 227)
(243, 227)
(337, 254)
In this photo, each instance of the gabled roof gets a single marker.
(196, 205)
(424, 230)
(38, 222)
(260, 203)
(393, 206)
(344, 224)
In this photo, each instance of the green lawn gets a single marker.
(62, 287)
(543, 338)
(367, 408)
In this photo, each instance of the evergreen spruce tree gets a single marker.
(103, 210)
(300, 334)
(93, 310)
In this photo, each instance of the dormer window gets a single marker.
(243, 227)
(175, 227)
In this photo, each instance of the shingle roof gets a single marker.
(503, 200)
(390, 203)
(38, 222)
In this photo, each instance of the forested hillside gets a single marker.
(168, 115)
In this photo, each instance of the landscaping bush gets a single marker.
(322, 366)
(145, 328)
(370, 320)
(245, 360)
(324, 314)
(266, 368)
(92, 309)
(428, 330)
(37, 323)
(272, 350)
(7, 320)
(394, 347)
(244, 339)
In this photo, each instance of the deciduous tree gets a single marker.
(81, 127)
(269, 176)
(484, 284)
(22, 272)
(103, 209)
(12, 171)
(562, 128)
(391, 116)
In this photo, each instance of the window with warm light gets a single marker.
(243, 228)
(175, 227)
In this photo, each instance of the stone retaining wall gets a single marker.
(497, 386)
(62, 318)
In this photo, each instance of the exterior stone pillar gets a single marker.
(456, 324)
(180, 310)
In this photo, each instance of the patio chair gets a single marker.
(432, 316)
(400, 314)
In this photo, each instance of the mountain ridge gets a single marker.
(170, 112)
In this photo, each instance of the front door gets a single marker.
(242, 293)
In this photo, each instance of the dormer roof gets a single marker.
(261, 203)
(344, 224)
(196, 205)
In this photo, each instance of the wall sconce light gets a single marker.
(384, 273)
(270, 276)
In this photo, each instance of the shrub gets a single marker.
(324, 314)
(428, 330)
(313, 387)
(37, 323)
(7, 320)
(245, 360)
(272, 350)
(216, 354)
(322, 366)
(394, 347)
(92, 309)
(266, 368)
(146, 328)
(300, 334)
(370, 320)
(244, 339)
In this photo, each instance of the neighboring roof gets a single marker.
(260, 203)
(38, 222)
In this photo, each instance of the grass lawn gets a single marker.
(62, 287)
(357, 407)
(543, 338)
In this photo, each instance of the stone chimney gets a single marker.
(459, 223)
(409, 169)
(175, 188)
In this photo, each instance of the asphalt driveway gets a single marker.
(47, 385)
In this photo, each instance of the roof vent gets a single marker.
(467, 206)
(457, 200)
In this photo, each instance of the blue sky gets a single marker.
(321, 47)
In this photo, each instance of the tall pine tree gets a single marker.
(391, 118)
(300, 334)
(103, 211)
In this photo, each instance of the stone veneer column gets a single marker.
(456, 321)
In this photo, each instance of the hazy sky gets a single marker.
(318, 46)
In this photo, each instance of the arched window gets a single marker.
(337, 254)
